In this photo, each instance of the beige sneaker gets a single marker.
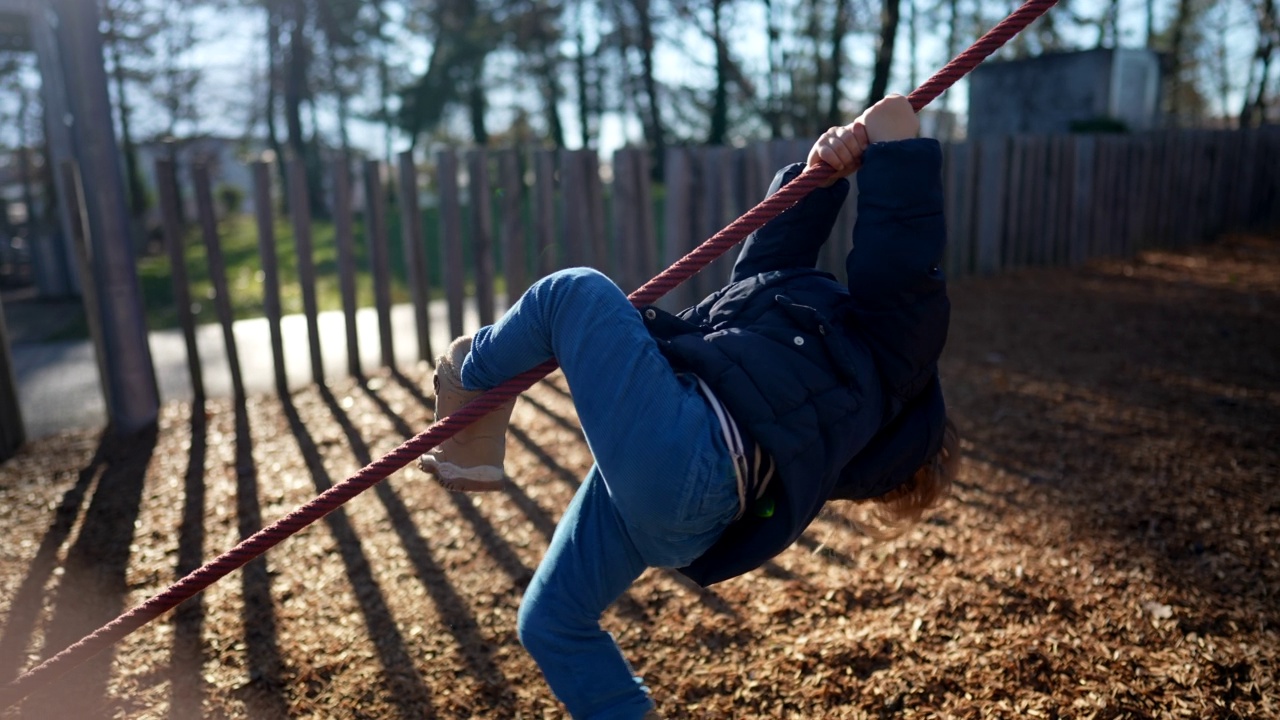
(471, 460)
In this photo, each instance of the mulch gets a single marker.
(1111, 549)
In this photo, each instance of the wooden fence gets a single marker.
(504, 217)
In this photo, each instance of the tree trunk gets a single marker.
(549, 85)
(133, 179)
(654, 134)
(720, 104)
(889, 16)
(773, 113)
(478, 105)
(273, 76)
(1255, 104)
(24, 161)
(838, 31)
(384, 85)
(580, 78)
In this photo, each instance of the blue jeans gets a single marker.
(660, 493)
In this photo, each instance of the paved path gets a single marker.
(58, 386)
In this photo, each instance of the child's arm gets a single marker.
(795, 237)
(898, 289)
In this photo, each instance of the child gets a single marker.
(718, 434)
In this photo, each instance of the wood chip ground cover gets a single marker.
(1112, 548)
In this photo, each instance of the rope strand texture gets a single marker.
(373, 473)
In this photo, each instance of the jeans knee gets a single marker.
(579, 280)
(532, 627)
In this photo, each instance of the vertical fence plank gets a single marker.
(1140, 183)
(481, 233)
(1011, 256)
(270, 270)
(1035, 200)
(1083, 199)
(629, 212)
(512, 233)
(625, 233)
(171, 227)
(451, 238)
(1269, 169)
(415, 252)
(375, 230)
(958, 203)
(992, 154)
(1106, 183)
(678, 221)
(300, 208)
(1244, 190)
(1058, 223)
(714, 215)
(573, 240)
(593, 201)
(73, 191)
(645, 221)
(218, 275)
(344, 238)
(12, 431)
(544, 186)
(1218, 180)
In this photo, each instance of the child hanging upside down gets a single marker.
(719, 433)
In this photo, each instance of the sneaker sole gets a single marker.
(483, 478)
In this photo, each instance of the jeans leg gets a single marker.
(591, 561)
(657, 444)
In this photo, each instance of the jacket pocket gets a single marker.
(844, 358)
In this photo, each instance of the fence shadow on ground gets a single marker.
(405, 684)
(92, 588)
(187, 691)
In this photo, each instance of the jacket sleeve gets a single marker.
(794, 238)
(897, 286)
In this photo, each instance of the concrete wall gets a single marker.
(1047, 94)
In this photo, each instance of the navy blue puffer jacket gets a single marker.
(837, 383)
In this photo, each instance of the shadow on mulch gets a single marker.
(92, 586)
(1140, 400)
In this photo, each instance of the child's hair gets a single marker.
(889, 515)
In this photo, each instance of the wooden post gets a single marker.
(991, 154)
(482, 233)
(73, 194)
(1011, 252)
(593, 216)
(451, 238)
(715, 188)
(1033, 194)
(1083, 198)
(167, 184)
(678, 221)
(544, 195)
(344, 237)
(12, 431)
(375, 227)
(300, 208)
(270, 270)
(574, 215)
(958, 202)
(512, 232)
(218, 275)
(415, 254)
(633, 217)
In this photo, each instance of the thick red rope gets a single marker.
(380, 469)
